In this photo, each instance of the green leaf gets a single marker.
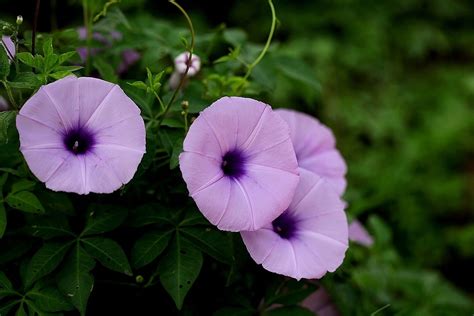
(215, 243)
(106, 71)
(5, 307)
(298, 70)
(289, 311)
(138, 84)
(49, 299)
(4, 63)
(292, 293)
(149, 247)
(56, 202)
(6, 287)
(51, 227)
(27, 59)
(152, 213)
(22, 185)
(66, 56)
(21, 311)
(109, 253)
(60, 74)
(45, 260)
(50, 61)
(48, 47)
(179, 268)
(177, 149)
(236, 37)
(103, 218)
(5, 282)
(12, 249)
(25, 201)
(25, 80)
(75, 281)
(6, 119)
(3, 220)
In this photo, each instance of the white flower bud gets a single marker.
(182, 60)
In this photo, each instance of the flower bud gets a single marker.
(19, 20)
(181, 63)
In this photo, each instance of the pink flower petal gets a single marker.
(81, 135)
(309, 239)
(114, 108)
(100, 175)
(243, 140)
(320, 303)
(44, 162)
(123, 161)
(358, 234)
(9, 46)
(36, 134)
(64, 96)
(42, 110)
(315, 148)
(69, 176)
(127, 133)
(199, 171)
(89, 101)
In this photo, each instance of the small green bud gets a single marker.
(19, 20)
(185, 105)
(139, 279)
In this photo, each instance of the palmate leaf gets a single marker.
(50, 227)
(7, 118)
(25, 201)
(5, 307)
(49, 299)
(56, 202)
(75, 280)
(109, 253)
(149, 247)
(103, 218)
(5, 282)
(152, 213)
(45, 260)
(6, 287)
(215, 243)
(179, 268)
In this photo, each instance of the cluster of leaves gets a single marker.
(62, 253)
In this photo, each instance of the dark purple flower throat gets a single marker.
(285, 226)
(233, 163)
(78, 140)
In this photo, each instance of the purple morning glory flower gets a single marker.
(315, 148)
(320, 303)
(129, 56)
(4, 106)
(239, 164)
(81, 135)
(9, 46)
(358, 234)
(309, 238)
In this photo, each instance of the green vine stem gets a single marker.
(264, 50)
(188, 64)
(10, 94)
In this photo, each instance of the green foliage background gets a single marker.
(393, 79)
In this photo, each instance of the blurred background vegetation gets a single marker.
(394, 79)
